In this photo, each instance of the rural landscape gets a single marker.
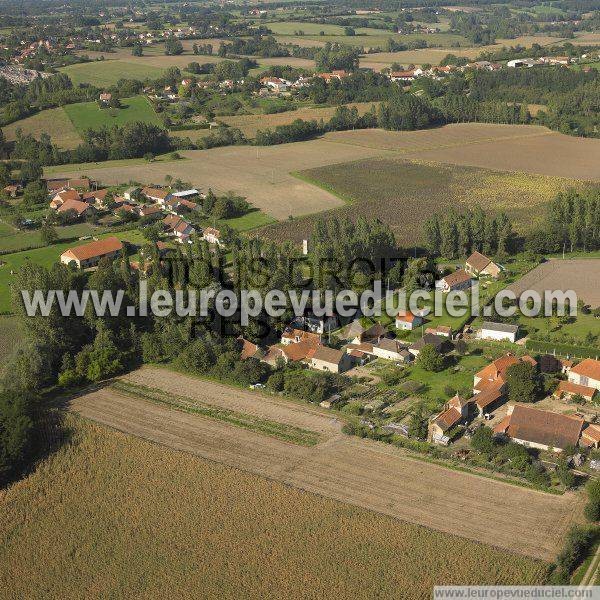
(174, 422)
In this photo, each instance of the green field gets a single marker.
(45, 257)
(98, 518)
(251, 220)
(19, 240)
(88, 115)
(106, 73)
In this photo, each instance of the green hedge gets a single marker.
(563, 349)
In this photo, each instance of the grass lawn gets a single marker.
(107, 73)
(88, 115)
(255, 218)
(18, 240)
(45, 257)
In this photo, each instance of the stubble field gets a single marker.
(263, 174)
(115, 516)
(363, 473)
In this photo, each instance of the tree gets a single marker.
(30, 171)
(592, 508)
(430, 359)
(34, 194)
(483, 440)
(173, 47)
(417, 427)
(16, 429)
(48, 234)
(523, 382)
(137, 50)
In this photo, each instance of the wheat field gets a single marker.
(110, 515)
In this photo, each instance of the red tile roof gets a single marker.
(94, 249)
(76, 205)
(588, 368)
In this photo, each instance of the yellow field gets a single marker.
(53, 121)
(113, 516)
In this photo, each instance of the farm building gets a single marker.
(441, 330)
(89, 255)
(156, 194)
(478, 264)
(391, 350)
(80, 208)
(590, 436)
(330, 359)
(496, 371)
(542, 429)
(459, 280)
(586, 373)
(499, 331)
(568, 389)
(61, 197)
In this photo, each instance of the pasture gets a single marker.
(12, 239)
(89, 115)
(106, 73)
(53, 121)
(98, 517)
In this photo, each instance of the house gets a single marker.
(105, 98)
(542, 429)
(95, 197)
(519, 63)
(455, 412)
(478, 264)
(175, 226)
(488, 400)
(499, 331)
(408, 321)
(184, 206)
(212, 236)
(590, 436)
(291, 335)
(150, 210)
(80, 208)
(441, 330)
(129, 193)
(586, 373)
(495, 372)
(316, 324)
(12, 190)
(62, 196)
(299, 351)
(568, 389)
(459, 280)
(391, 350)
(428, 339)
(405, 76)
(275, 84)
(249, 349)
(330, 359)
(89, 255)
(156, 194)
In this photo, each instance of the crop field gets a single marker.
(53, 121)
(579, 275)
(99, 518)
(263, 174)
(403, 193)
(89, 115)
(363, 473)
(108, 72)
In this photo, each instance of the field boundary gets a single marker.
(280, 431)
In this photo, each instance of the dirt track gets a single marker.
(360, 472)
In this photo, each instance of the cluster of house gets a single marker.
(476, 266)
(524, 424)
(76, 196)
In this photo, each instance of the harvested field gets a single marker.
(403, 193)
(263, 174)
(363, 473)
(580, 275)
(525, 148)
(112, 515)
(53, 121)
